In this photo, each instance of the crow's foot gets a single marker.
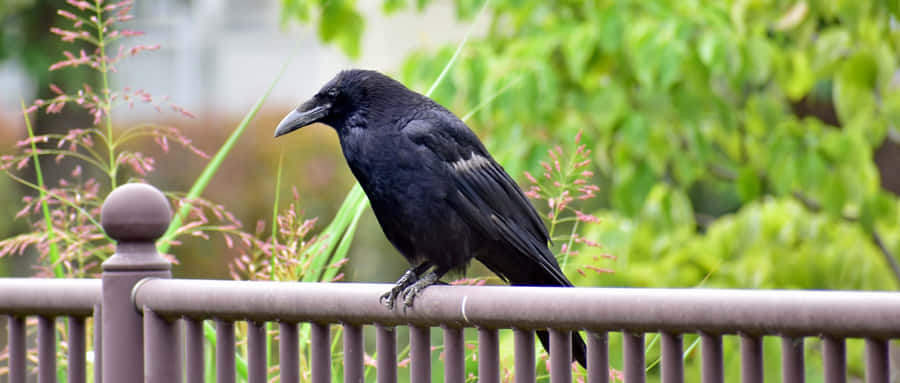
(409, 294)
(388, 298)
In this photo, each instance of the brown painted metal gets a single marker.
(672, 358)
(162, 349)
(225, 372)
(598, 357)
(354, 371)
(256, 352)
(46, 349)
(751, 359)
(877, 361)
(48, 297)
(454, 355)
(792, 367)
(17, 349)
(712, 365)
(635, 364)
(193, 351)
(98, 343)
(386, 350)
(135, 216)
(758, 312)
(561, 357)
(77, 350)
(289, 353)
(834, 359)
(320, 352)
(488, 356)
(419, 354)
(524, 356)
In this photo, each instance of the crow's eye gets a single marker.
(332, 93)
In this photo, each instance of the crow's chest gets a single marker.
(392, 170)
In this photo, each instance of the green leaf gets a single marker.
(392, 6)
(301, 9)
(342, 24)
(854, 87)
(812, 170)
(797, 77)
(632, 184)
(578, 48)
(748, 184)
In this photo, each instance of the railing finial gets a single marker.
(135, 215)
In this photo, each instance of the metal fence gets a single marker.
(152, 329)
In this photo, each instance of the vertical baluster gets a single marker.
(713, 370)
(386, 348)
(98, 344)
(77, 350)
(834, 360)
(672, 361)
(751, 359)
(17, 356)
(524, 356)
(633, 346)
(488, 356)
(193, 350)
(420, 354)
(225, 372)
(288, 352)
(320, 342)
(560, 356)
(46, 349)
(162, 349)
(256, 352)
(792, 369)
(454, 355)
(598, 357)
(877, 361)
(353, 354)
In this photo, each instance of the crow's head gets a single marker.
(349, 92)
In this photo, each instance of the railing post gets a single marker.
(135, 216)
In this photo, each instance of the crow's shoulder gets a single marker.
(445, 135)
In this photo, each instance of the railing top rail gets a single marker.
(757, 312)
(37, 296)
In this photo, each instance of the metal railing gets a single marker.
(152, 326)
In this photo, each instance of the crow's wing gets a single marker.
(485, 196)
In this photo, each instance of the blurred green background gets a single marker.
(738, 144)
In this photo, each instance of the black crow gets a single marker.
(439, 197)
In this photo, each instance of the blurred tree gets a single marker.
(736, 140)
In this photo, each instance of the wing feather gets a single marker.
(486, 196)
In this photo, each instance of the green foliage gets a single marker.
(734, 140)
(339, 22)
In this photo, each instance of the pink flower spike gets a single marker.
(55, 89)
(66, 14)
(67, 36)
(82, 5)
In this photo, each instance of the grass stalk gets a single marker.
(45, 208)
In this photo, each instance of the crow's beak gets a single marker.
(301, 117)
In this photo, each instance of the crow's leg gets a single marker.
(407, 279)
(410, 293)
